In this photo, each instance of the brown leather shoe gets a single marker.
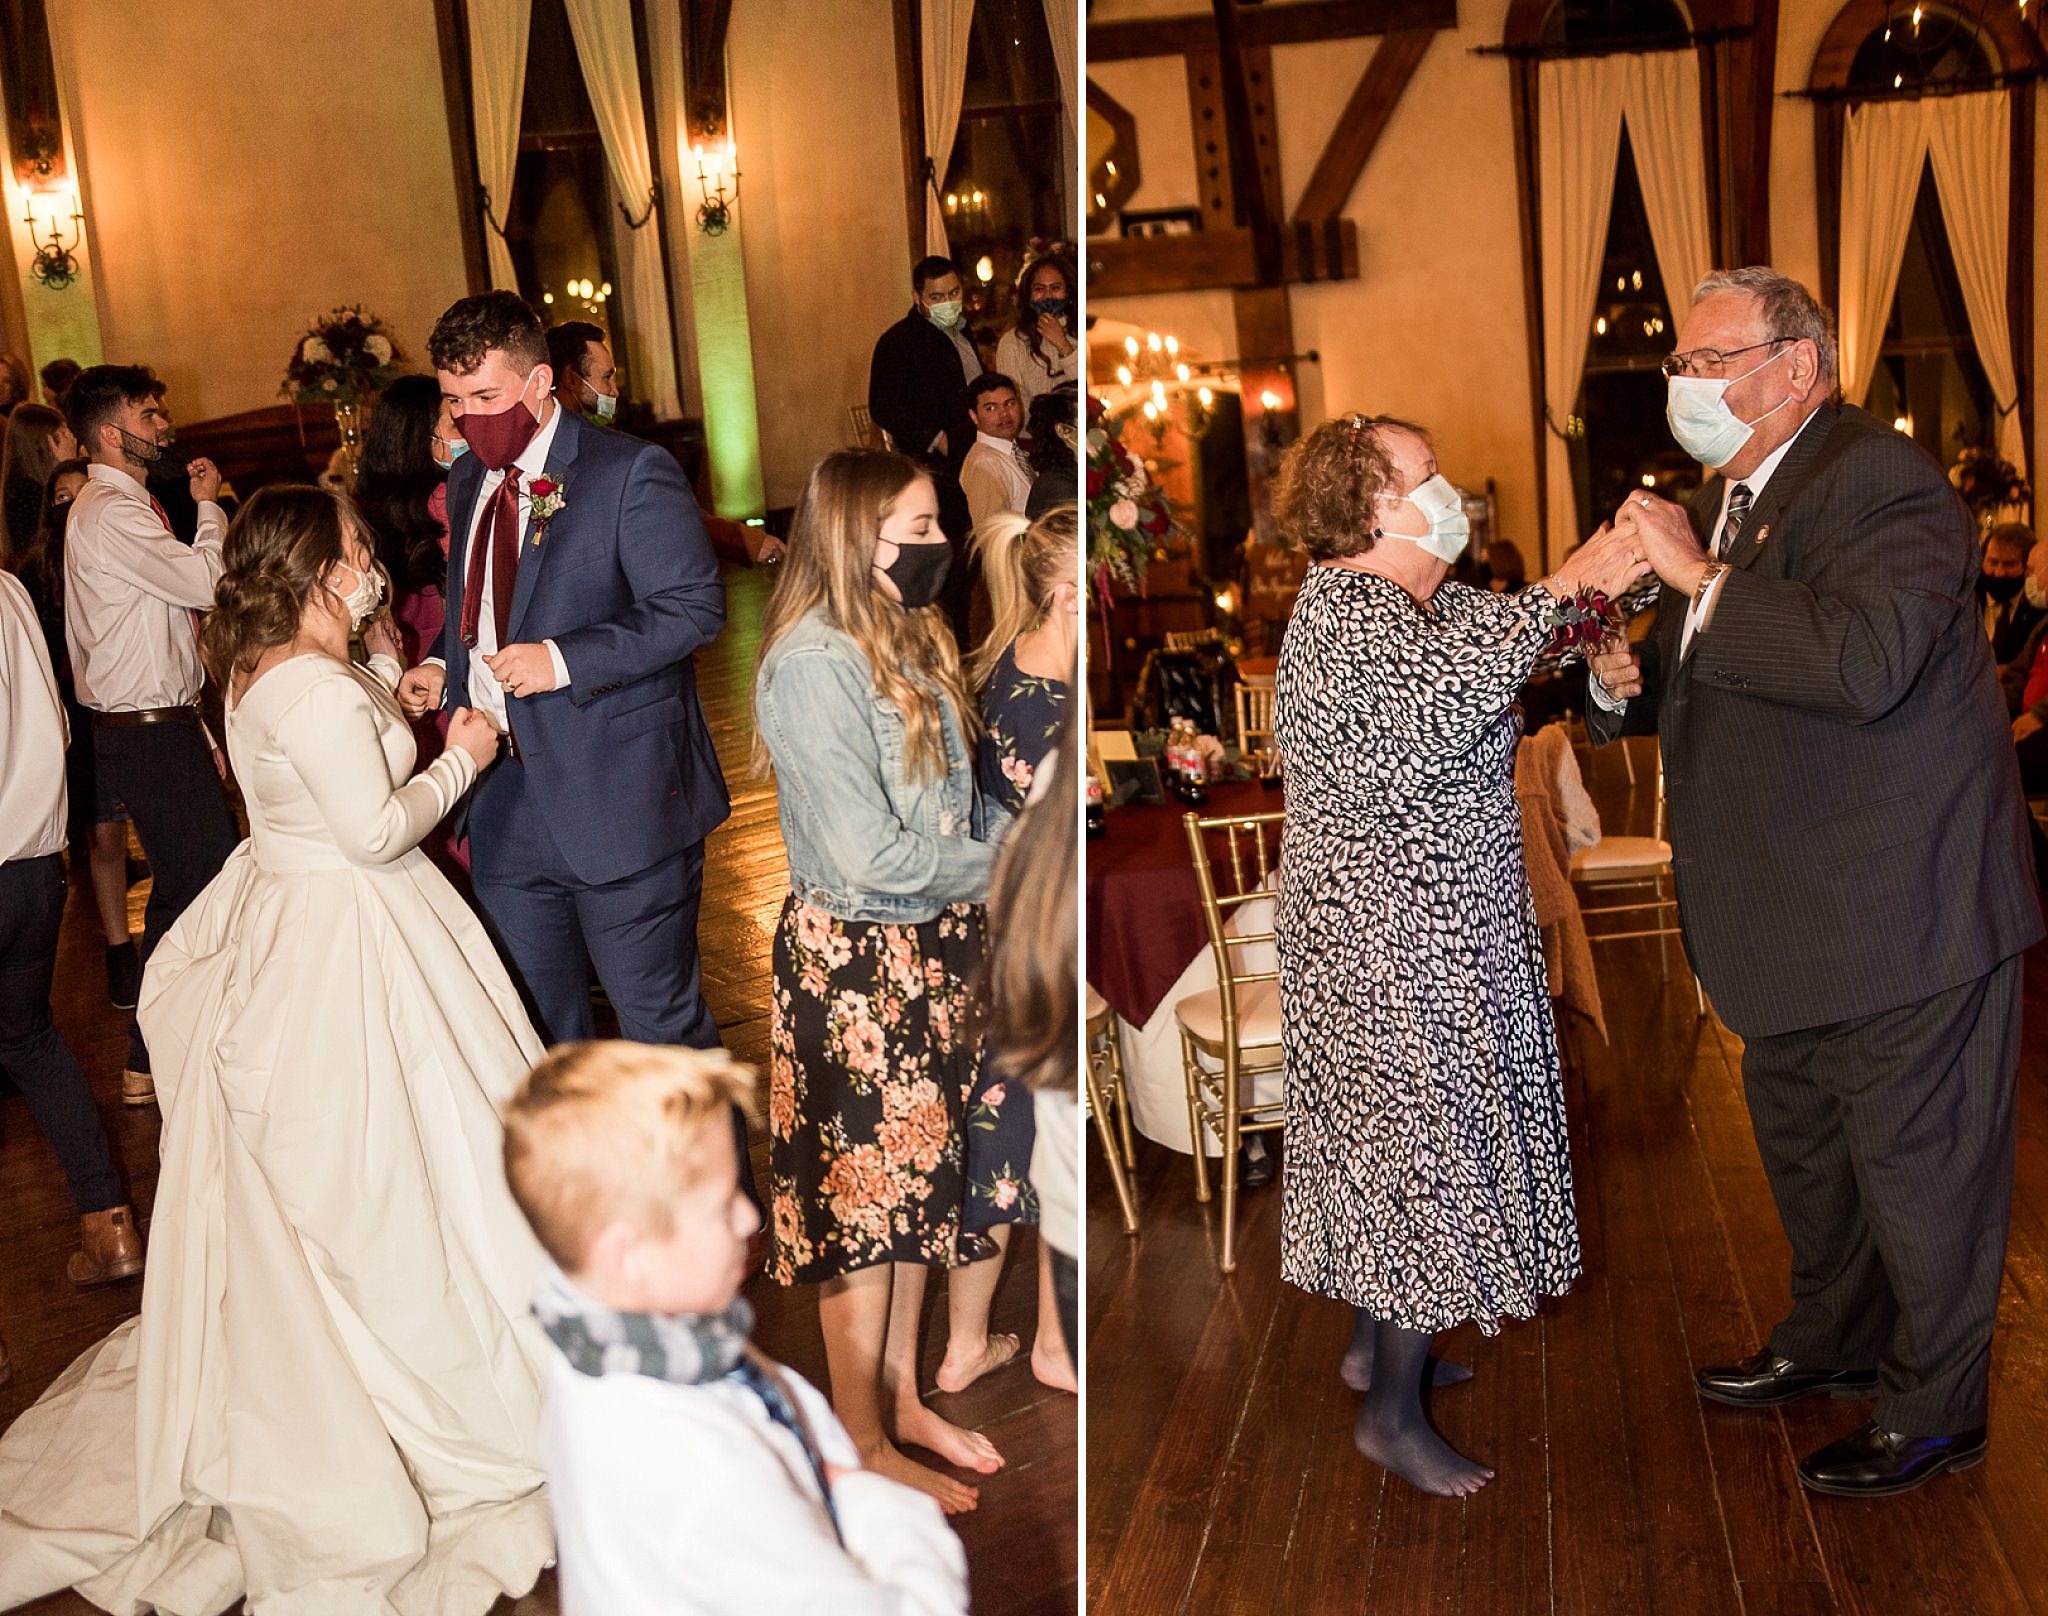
(111, 1249)
(138, 1088)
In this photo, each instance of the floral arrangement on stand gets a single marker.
(344, 358)
(1988, 484)
(1128, 513)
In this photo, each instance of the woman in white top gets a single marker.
(1041, 350)
(331, 1400)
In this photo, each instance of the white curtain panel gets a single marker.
(1579, 111)
(1969, 138)
(946, 24)
(1661, 105)
(611, 73)
(1883, 147)
(497, 73)
(1063, 22)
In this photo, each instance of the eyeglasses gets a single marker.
(1705, 361)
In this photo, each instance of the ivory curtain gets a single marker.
(497, 72)
(1579, 103)
(1660, 101)
(946, 24)
(1884, 145)
(1063, 22)
(1969, 138)
(611, 73)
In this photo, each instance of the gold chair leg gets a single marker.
(1191, 1072)
(1098, 1103)
(1123, 1097)
(1230, 1144)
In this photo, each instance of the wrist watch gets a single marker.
(1714, 570)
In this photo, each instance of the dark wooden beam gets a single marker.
(1302, 23)
(910, 110)
(1255, 209)
(1362, 122)
(451, 30)
(1210, 260)
(1212, 140)
(704, 29)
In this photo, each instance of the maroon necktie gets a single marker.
(499, 532)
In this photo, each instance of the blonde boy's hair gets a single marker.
(599, 1133)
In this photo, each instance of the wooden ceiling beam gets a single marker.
(1299, 22)
(1362, 122)
(1217, 260)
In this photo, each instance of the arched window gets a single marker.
(1931, 374)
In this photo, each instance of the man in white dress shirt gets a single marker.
(996, 476)
(32, 889)
(133, 593)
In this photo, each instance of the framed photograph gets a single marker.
(1134, 780)
(1161, 221)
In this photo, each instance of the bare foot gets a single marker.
(1356, 1370)
(918, 1426)
(955, 1497)
(961, 1370)
(1419, 1456)
(1052, 1366)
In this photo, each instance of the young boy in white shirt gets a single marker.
(689, 1472)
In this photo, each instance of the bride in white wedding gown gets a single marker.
(330, 1402)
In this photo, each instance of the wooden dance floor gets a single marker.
(1020, 1543)
(1221, 1474)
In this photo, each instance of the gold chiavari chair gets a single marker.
(1638, 869)
(1254, 717)
(1192, 639)
(1110, 1105)
(1230, 1034)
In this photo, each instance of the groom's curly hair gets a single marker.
(473, 327)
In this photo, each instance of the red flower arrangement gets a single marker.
(1581, 622)
(1128, 513)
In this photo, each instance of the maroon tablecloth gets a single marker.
(1144, 909)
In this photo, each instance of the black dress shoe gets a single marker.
(1763, 1380)
(1874, 1463)
(1257, 1162)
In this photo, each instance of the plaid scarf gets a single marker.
(685, 1349)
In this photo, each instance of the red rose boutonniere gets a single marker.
(546, 501)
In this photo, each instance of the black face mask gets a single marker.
(2001, 589)
(919, 572)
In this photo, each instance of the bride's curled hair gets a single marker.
(278, 547)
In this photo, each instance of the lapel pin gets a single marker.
(1763, 533)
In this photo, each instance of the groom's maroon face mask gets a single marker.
(496, 418)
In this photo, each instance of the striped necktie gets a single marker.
(1731, 525)
(750, 1375)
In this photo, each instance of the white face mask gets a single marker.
(362, 602)
(2036, 592)
(1705, 427)
(1449, 528)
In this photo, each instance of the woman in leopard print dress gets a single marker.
(1428, 1173)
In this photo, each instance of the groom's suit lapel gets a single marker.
(464, 484)
(561, 456)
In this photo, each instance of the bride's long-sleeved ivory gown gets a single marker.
(330, 1401)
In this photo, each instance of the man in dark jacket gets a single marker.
(917, 393)
(1850, 850)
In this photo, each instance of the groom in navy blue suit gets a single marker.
(580, 583)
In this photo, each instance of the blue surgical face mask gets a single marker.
(602, 405)
(947, 314)
(1449, 528)
(454, 448)
(1701, 421)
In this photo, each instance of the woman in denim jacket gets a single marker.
(860, 711)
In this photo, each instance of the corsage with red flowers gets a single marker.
(1580, 622)
(545, 501)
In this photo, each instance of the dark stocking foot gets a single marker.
(1356, 1369)
(1418, 1456)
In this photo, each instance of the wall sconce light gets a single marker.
(715, 165)
(54, 265)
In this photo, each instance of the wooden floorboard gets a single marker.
(1021, 1544)
(1619, 1490)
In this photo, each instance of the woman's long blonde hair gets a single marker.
(831, 564)
(1022, 563)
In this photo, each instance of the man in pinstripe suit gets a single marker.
(1850, 851)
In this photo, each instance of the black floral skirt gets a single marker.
(872, 1063)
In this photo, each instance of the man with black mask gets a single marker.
(2008, 616)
